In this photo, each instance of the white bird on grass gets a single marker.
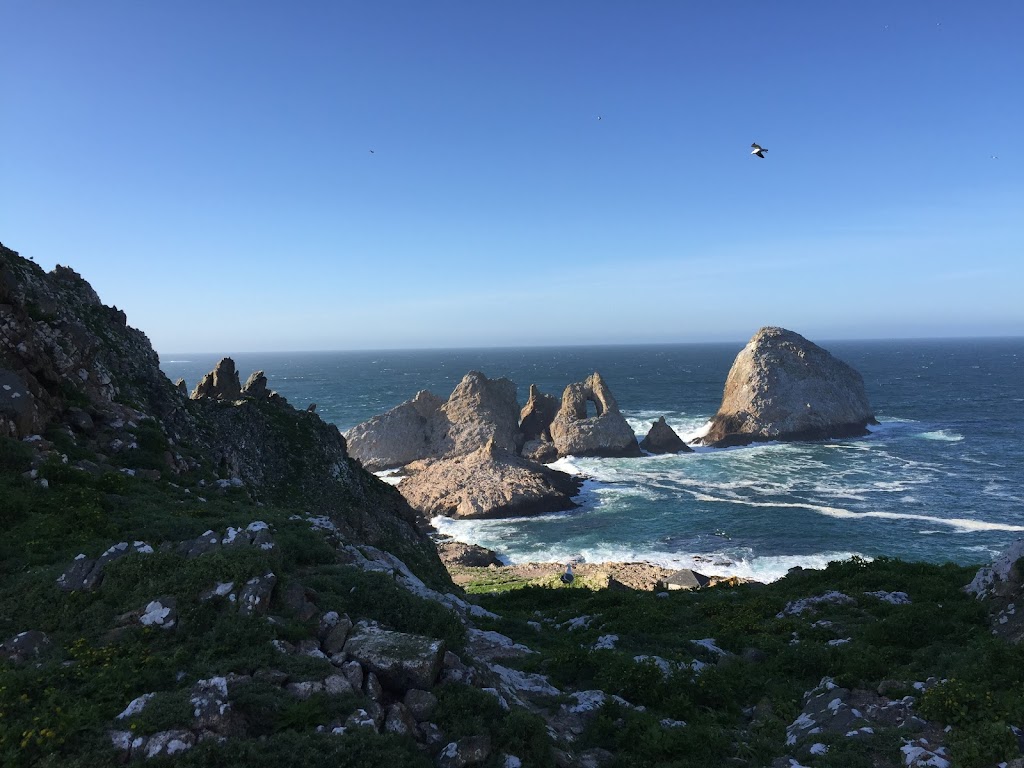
(758, 150)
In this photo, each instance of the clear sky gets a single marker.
(254, 176)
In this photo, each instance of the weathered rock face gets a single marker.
(479, 409)
(400, 660)
(403, 434)
(784, 387)
(663, 439)
(221, 383)
(68, 361)
(469, 555)
(60, 346)
(605, 434)
(489, 482)
(537, 415)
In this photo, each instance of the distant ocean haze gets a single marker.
(940, 478)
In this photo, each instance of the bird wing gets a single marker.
(759, 155)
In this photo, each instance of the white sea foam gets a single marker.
(391, 476)
(941, 434)
(963, 525)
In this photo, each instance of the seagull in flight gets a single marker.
(371, 151)
(758, 150)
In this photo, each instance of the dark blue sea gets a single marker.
(940, 479)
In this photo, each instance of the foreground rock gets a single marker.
(490, 482)
(457, 553)
(783, 387)
(1001, 586)
(607, 433)
(663, 439)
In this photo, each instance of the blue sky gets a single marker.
(208, 168)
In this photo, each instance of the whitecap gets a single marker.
(941, 434)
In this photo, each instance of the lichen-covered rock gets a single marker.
(491, 482)
(255, 597)
(471, 750)
(24, 646)
(784, 387)
(401, 660)
(607, 433)
(663, 439)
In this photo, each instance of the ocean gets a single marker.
(941, 478)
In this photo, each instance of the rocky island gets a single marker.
(214, 580)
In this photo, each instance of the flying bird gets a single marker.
(567, 577)
(371, 152)
(758, 150)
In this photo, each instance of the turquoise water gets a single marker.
(939, 479)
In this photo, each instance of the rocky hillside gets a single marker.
(211, 580)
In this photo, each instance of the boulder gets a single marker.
(538, 413)
(219, 384)
(684, 579)
(399, 659)
(255, 597)
(454, 552)
(471, 750)
(402, 435)
(784, 387)
(25, 645)
(606, 433)
(663, 439)
(490, 482)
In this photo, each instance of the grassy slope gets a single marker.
(57, 712)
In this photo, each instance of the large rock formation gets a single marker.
(403, 434)
(605, 434)
(221, 383)
(479, 409)
(61, 348)
(490, 482)
(663, 439)
(72, 368)
(783, 387)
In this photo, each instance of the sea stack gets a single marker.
(783, 387)
(604, 434)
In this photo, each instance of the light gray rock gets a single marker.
(663, 439)
(401, 660)
(784, 387)
(606, 433)
(404, 434)
(490, 482)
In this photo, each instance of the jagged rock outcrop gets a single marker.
(479, 409)
(607, 433)
(490, 482)
(219, 384)
(1001, 585)
(403, 434)
(784, 387)
(60, 347)
(537, 415)
(458, 553)
(68, 362)
(663, 439)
